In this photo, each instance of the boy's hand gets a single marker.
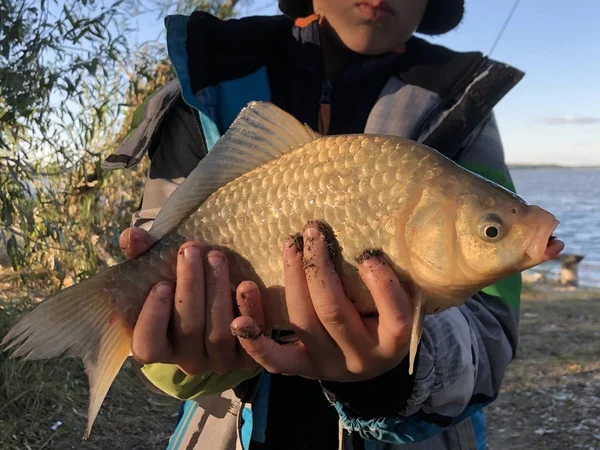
(189, 325)
(336, 342)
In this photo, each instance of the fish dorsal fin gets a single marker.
(259, 134)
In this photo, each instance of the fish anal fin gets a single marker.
(261, 133)
(419, 302)
(102, 367)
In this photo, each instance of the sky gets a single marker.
(553, 115)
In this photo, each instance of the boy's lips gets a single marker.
(375, 10)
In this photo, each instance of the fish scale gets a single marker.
(330, 179)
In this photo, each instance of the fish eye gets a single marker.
(491, 228)
(492, 232)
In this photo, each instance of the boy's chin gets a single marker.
(372, 43)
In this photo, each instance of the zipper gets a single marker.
(239, 424)
(324, 118)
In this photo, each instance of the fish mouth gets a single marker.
(544, 246)
(554, 247)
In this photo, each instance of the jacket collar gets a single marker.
(307, 55)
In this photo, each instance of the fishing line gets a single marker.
(506, 22)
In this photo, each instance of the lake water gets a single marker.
(573, 196)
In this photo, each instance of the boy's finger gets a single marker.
(220, 344)
(289, 359)
(335, 311)
(189, 315)
(300, 307)
(134, 241)
(150, 343)
(392, 301)
(249, 302)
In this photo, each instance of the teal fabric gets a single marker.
(188, 409)
(479, 428)
(234, 95)
(176, 38)
(217, 106)
(403, 430)
(247, 426)
(260, 408)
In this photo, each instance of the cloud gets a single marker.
(582, 120)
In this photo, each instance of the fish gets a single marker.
(444, 229)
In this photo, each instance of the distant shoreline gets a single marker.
(549, 166)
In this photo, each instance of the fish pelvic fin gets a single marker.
(80, 321)
(417, 329)
(260, 133)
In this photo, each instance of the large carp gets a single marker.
(445, 229)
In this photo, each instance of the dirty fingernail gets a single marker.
(249, 331)
(311, 232)
(248, 289)
(373, 255)
(295, 241)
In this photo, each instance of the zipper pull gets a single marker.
(324, 118)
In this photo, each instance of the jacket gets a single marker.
(428, 93)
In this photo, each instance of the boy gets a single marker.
(341, 67)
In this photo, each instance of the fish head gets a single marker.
(469, 233)
(498, 234)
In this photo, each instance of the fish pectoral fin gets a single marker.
(79, 321)
(259, 134)
(417, 328)
(315, 134)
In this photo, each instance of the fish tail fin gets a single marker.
(80, 321)
(417, 330)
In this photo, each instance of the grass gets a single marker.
(43, 404)
(550, 397)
